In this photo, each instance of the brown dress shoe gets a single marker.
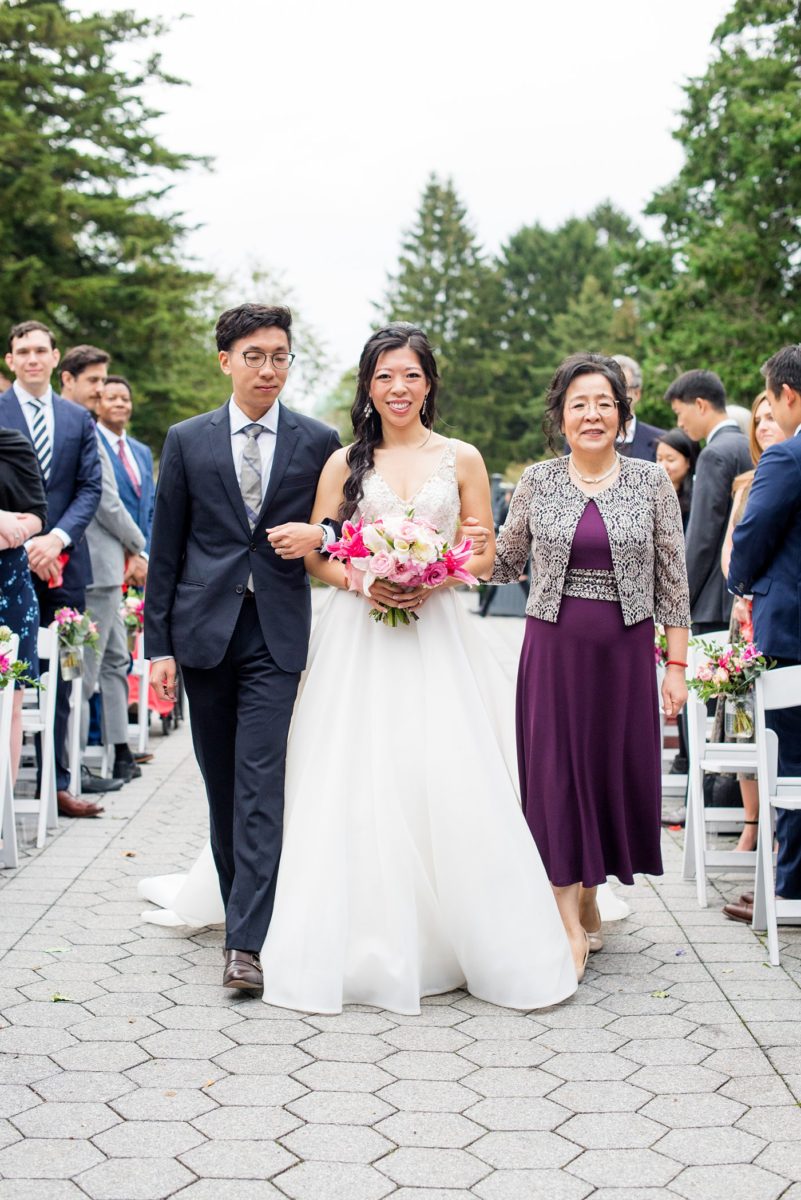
(71, 806)
(243, 970)
(739, 912)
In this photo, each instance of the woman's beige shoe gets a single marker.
(596, 941)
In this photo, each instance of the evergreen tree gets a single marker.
(85, 241)
(725, 278)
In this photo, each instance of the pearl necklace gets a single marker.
(598, 478)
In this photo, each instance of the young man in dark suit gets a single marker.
(766, 564)
(639, 440)
(698, 399)
(63, 436)
(132, 459)
(228, 599)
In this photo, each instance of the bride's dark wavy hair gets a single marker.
(366, 421)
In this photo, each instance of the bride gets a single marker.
(407, 867)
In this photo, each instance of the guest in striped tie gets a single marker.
(63, 437)
(132, 459)
(113, 537)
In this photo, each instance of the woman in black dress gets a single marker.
(23, 509)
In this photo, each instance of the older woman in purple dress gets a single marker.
(607, 559)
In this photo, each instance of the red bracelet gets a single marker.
(674, 662)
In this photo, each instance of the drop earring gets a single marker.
(425, 405)
(368, 408)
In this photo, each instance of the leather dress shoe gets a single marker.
(71, 806)
(739, 912)
(143, 758)
(93, 785)
(126, 770)
(243, 970)
(747, 898)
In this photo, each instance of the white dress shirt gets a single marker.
(729, 423)
(265, 442)
(114, 440)
(29, 405)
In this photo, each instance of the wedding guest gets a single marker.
(638, 440)
(132, 459)
(741, 416)
(113, 537)
(766, 564)
(763, 431)
(63, 437)
(607, 558)
(698, 399)
(23, 510)
(678, 454)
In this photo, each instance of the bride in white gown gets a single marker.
(407, 866)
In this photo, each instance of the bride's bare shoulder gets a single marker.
(467, 456)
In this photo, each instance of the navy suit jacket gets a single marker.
(643, 444)
(73, 490)
(766, 551)
(139, 507)
(203, 551)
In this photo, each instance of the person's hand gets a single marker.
(43, 552)
(12, 530)
(295, 539)
(674, 691)
(385, 595)
(162, 678)
(136, 571)
(478, 535)
(741, 610)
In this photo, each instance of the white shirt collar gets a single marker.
(111, 436)
(239, 419)
(26, 397)
(798, 430)
(729, 422)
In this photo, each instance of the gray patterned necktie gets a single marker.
(250, 472)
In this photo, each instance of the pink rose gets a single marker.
(405, 573)
(381, 565)
(704, 673)
(435, 574)
(5, 664)
(408, 531)
(721, 675)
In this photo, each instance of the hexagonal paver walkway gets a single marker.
(126, 1073)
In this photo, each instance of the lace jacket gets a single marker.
(643, 522)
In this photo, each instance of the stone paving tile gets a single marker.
(675, 1070)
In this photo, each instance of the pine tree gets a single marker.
(85, 241)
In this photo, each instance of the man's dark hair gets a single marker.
(784, 367)
(236, 323)
(18, 331)
(120, 379)
(695, 385)
(79, 359)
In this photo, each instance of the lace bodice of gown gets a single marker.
(436, 501)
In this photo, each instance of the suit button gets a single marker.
(253, 545)
(240, 587)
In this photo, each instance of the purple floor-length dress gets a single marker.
(588, 733)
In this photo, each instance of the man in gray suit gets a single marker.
(113, 536)
(698, 399)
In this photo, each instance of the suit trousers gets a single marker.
(48, 605)
(786, 722)
(109, 663)
(240, 712)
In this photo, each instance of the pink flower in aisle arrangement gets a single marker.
(406, 552)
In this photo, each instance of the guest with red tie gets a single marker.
(132, 459)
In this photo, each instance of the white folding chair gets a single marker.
(8, 830)
(38, 716)
(74, 735)
(779, 688)
(711, 758)
(140, 729)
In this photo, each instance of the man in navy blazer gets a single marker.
(639, 440)
(766, 564)
(132, 459)
(228, 599)
(63, 435)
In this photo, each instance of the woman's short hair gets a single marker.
(583, 363)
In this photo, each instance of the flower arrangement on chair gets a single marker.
(730, 672)
(75, 630)
(12, 670)
(133, 614)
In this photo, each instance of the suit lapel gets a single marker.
(13, 416)
(220, 437)
(285, 443)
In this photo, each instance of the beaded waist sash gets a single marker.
(590, 584)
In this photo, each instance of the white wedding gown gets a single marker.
(407, 867)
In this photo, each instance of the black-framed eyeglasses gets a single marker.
(282, 360)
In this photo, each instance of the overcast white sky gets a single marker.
(324, 120)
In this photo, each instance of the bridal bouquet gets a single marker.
(405, 551)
